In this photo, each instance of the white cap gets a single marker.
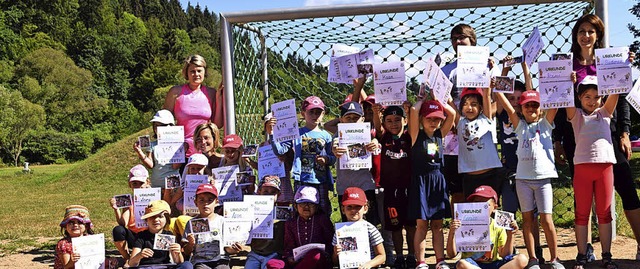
(589, 80)
(163, 116)
(199, 159)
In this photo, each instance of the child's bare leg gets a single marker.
(519, 261)
(550, 234)
(398, 242)
(527, 232)
(122, 248)
(605, 236)
(411, 233)
(438, 238)
(462, 264)
(419, 242)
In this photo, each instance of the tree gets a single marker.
(635, 46)
(18, 118)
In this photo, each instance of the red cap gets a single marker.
(529, 96)
(432, 109)
(207, 188)
(312, 102)
(354, 196)
(232, 141)
(484, 191)
(371, 99)
(466, 91)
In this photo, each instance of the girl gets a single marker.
(233, 148)
(429, 201)
(311, 225)
(196, 166)
(159, 171)
(207, 141)
(286, 193)
(535, 168)
(76, 223)
(593, 166)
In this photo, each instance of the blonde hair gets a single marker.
(196, 60)
(215, 132)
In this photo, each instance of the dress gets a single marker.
(191, 109)
(63, 247)
(428, 195)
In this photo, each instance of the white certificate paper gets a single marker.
(354, 137)
(191, 183)
(91, 250)
(268, 163)
(263, 209)
(634, 96)
(472, 68)
(141, 199)
(354, 240)
(346, 68)
(438, 82)
(473, 234)
(238, 219)
(532, 48)
(556, 87)
(286, 127)
(225, 180)
(170, 134)
(389, 83)
(170, 148)
(614, 71)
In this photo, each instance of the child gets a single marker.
(593, 169)
(76, 223)
(428, 197)
(501, 254)
(285, 198)
(310, 225)
(159, 171)
(206, 249)
(351, 112)
(195, 166)
(535, 169)
(233, 148)
(156, 216)
(125, 233)
(355, 206)
(313, 156)
(395, 178)
(265, 253)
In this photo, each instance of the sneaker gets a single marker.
(389, 262)
(607, 261)
(442, 265)
(399, 263)
(410, 261)
(591, 257)
(533, 264)
(539, 255)
(422, 266)
(555, 264)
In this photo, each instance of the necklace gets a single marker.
(307, 235)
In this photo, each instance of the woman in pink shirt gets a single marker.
(193, 103)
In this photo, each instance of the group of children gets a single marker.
(410, 186)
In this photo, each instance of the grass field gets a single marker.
(33, 204)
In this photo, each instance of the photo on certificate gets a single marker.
(505, 84)
(144, 141)
(284, 212)
(365, 69)
(200, 225)
(357, 150)
(348, 244)
(244, 178)
(250, 150)
(123, 201)
(503, 219)
(163, 241)
(513, 61)
(561, 56)
(172, 182)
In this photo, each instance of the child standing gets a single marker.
(501, 254)
(429, 200)
(76, 223)
(311, 225)
(156, 216)
(354, 207)
(125, 233)
(593, 170)
(313, 157)
(206, 249)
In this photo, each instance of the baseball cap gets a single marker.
(312, 102)
(199, 159)
(394, 110)
(588, 81)
(351, 108)
(432, 109)
(270, 181)
(232, 141)
(484, 191)
(354, 196)
(371, 99)
(306, 194)
(138, 173)
(529, 96)
(267, 117)
(156, 207)
(207, 188)
(76, 212)
(163, 116)
(467, 91)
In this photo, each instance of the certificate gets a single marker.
(346, 68)
(268, 163)
(191, 183)
(389, 83)
(225, 180)
(556, 87)
(532, 48)
(238, 219)
(169, 153)
(263, 209)
(613, 70)
(634, 96)
(472, 68)
(354, 137)
(141, 199)
(91, 250)
(438, 82)
(354, 240)
(286, 127)
(473, 234)
(170, 134)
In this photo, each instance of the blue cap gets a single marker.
(351, 108)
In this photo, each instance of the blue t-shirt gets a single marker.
(535, 150)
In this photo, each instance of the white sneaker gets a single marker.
(422, 266)
(442, 265)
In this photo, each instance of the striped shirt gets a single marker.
(375, 238)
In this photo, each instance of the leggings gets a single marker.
(593, 179)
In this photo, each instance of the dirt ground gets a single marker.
(623, 249)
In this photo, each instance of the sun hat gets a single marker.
(207, 188)
(232, 141)
(529, 96)
(354, 196)
(306, 194)
(155, 208)
(76, 212)
(163, 116)
(432, 109)
(484, 191)
(351, 108)
(312, 102)
(138, 173)
(270, 181)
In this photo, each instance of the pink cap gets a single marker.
(312, 102)
(484, 191)
(232, 141)
(138, 173)
(529, 96)
(432, 109)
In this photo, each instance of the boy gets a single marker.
(354, 207)
(351, 112)
(206, 249)
(265, 253)
(501, 254)
(156, 216)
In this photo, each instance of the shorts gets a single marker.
(451, 175)
(396, 202)
(491, 178)
(534, 194)
(491, 265)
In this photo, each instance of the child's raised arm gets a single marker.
(528, 82)
(377, 122)
(487, 108)
(513, 116)
(448, 121)
(610, 104)
(414, 121)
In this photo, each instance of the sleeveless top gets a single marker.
(426, 153)
(191, 109)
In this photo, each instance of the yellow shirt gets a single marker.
(498, 240)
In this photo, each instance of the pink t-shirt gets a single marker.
(593, 137)
(192, 108)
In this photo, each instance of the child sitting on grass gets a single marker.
(76, 223)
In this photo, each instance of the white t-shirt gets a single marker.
(593, 137)
(208, 245)
(535, 150)
(476, 150)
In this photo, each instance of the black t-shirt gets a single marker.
(144, 240)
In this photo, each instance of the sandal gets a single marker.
(607, 262)
(581, 260)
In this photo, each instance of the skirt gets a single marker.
(428, 197)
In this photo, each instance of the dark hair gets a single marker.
(597, 23)
(87, 230)
(583, 88)
(464, 99)
(465, 29)
(519, 86)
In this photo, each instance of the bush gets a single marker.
(50, 146)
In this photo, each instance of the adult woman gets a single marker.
(193, 103)
(206, 139)
(586, 37)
